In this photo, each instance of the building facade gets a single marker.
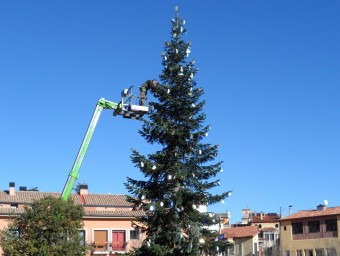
(245, 240)
(311, 232)
(269, 230)
(107, 220)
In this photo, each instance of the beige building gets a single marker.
(269, 231)
(311, 232)
(107, 219)
(245, 240)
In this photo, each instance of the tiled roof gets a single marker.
(266, 218)
(93, 203)
(106, 199)
(114, 214)
(25, 197)
(28, 197)
(314, 213)
(10, 211)
(239, 232)
(88, 201)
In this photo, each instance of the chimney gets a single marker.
(321, 207)
(290, 209)
(261, 215)
(83, 189)
(22, 188)
(12, 188)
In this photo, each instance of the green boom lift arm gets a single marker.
(124, 108)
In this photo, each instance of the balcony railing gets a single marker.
(317, 235)
(107, 246)
(100, 247)
(118, 246)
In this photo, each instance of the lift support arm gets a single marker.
(74, 173)
(124, 108)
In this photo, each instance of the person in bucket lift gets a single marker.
(144, 90)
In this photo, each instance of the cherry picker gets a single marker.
(124, 108)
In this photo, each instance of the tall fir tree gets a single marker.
(178, 176)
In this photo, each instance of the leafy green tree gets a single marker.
(49, 227)
(179, 175)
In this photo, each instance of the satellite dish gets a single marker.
(325, 202)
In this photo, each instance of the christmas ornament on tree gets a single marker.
(181, 71)
(188, 51)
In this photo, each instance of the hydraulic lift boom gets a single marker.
(123, 108)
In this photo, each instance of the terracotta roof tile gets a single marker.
(28, 197)
(239, 232)
(130, 214)
(10, 211)
(102, 199)
(25, 197)
(314, 213)
(114, 213)
(265, 218)
(97, 200)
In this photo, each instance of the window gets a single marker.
(118, 240)
(134, 234)
(314, 226)
(308, 252)
(330, 252)
(318, 252)
(15, 233)
(271, 237)
(266, 237)
(287, 253)
(100, 240)
(261, 234)
(331, 225)
(14, 206)
(297, 228)
(298, 252)
(82, 237)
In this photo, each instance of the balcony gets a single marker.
(328, 234)
(100, 247)
(103, 248)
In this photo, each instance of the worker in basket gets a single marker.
(144, 90)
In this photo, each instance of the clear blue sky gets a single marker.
(270, 70)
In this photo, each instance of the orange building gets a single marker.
(107, 219)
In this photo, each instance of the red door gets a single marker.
(118, 240)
